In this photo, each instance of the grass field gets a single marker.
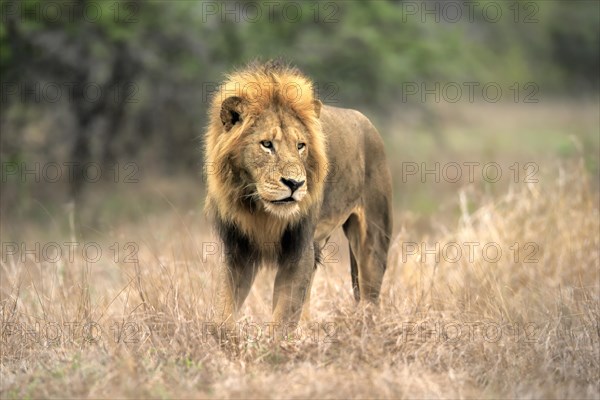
(492, 289)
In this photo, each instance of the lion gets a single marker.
(283, 172)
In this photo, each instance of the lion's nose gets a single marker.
(292, 183)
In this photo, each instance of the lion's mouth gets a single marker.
(283, 201)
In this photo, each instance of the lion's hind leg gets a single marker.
(353, 233)
(368, 232)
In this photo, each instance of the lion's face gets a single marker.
(274, 156)
(265, 151)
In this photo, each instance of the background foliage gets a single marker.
(155, 64)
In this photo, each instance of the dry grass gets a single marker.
(468, 326)
(524, 324)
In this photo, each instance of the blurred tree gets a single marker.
(575, 34)
(155, 64)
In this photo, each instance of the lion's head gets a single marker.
(265, 150)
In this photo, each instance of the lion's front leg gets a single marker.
(292, 284)
(234, 283)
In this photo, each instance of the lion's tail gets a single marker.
(354, 274)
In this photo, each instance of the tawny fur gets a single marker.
(260, 86)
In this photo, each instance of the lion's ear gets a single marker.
(231, 111)
(318, 106)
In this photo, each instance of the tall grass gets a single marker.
(476, 324)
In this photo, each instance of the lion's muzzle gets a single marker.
(292, 183)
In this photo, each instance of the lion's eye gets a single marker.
(267, 144)
(301, 146)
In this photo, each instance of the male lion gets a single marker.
(283, 172)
